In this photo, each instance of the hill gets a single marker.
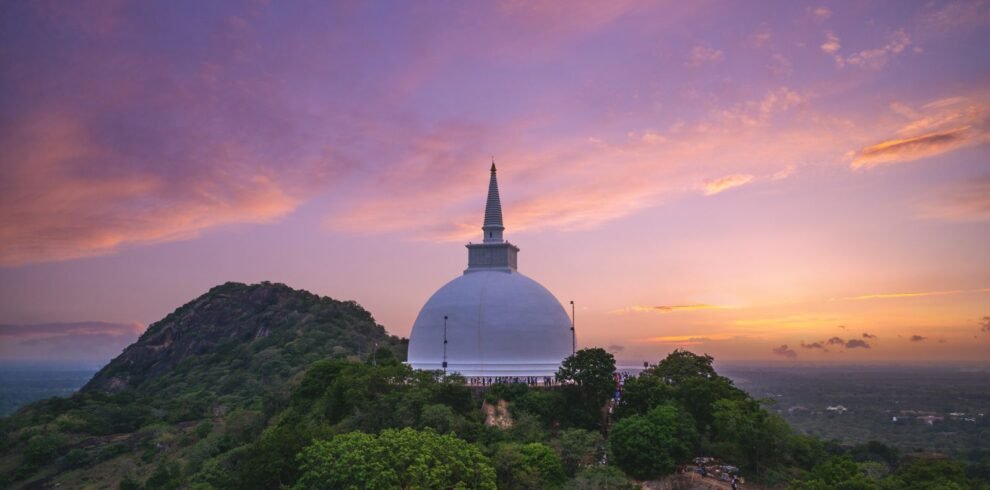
(218, 360)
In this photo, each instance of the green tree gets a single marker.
(590, 374)
(930, 474)
(528, 466)
(403, 458)
(578, 448)
(437, 417)
(649, 446)
(683, 378)
(43, 448)
(167, 476)
(743, 431)
(592, 370)
(839, 473)
(600, 477)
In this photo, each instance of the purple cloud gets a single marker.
(857, 343)
(785, 351)
(74, 341)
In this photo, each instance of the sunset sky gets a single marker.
(783, 181)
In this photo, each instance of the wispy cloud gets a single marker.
(917, 338)
(857, 344)
(566, 184)
(878, 57)
(667, 308)
(912, 294)
(964, 201)
(913, 148)
(686, 339)
(985, 324)
(787, 321)
(936, 128)
(67, 328)
(72, 341)
(869, 336)
(832, 43)
(957, 15)
(722, 184)
(701, 55)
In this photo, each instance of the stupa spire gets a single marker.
(494, 253)
(492, 226)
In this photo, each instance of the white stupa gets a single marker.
(498, 321)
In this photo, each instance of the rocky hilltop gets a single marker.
(269, 328)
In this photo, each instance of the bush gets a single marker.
(203, 429)
(75, 458)
(43, 448)
(111, 451)
(600, 478)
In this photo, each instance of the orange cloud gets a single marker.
(721, 184)
(912, 295)
(913, 148)
(667, 309)
(939, 127)
(685, 339)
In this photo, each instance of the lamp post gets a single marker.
(445, 346)
(573, 333)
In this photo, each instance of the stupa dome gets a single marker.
(498, 321)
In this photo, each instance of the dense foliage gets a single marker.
(404, 458)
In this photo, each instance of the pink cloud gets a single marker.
(701, 55)
(878, 57)
(964, 201)
(558, 182)
(723, 184)
(53, 210)
(956, 15)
